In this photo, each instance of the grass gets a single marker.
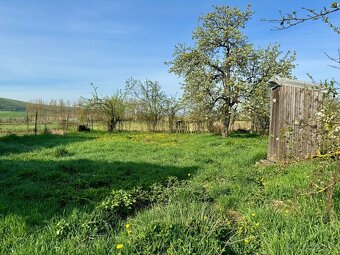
(12, 114)
(160, 194)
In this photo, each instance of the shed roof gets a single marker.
(277, 81)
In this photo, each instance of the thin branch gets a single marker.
(335, 59)
(292, 19)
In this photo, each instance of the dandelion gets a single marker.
(127, 226)
(253, 214)
(246, 241)
(120, 246)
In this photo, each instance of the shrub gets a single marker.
(329, 117)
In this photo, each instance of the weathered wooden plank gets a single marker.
(281, 124)
(299, 119)
(272, 150)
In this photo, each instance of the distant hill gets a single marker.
(12, 105)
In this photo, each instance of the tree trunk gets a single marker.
(27, 122)
(67, 119)
(226, 121)
(154, 124)
(171, 119)
(112, 125)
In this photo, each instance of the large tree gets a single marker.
(212, 65)
(216, 68)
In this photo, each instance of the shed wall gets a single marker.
(293, 133)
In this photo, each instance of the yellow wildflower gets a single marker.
(127, 226)
(257, 224)
(120, 246)
(246, 240)
(253, 214)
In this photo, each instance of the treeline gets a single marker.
(140, 102)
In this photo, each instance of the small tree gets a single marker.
(150, 100)
(110, 108)
(172, 106)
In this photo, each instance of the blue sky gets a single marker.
(55, 49)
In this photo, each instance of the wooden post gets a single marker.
(27, 122)
(67, 119)
(36, 122)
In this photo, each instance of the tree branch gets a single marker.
(336, 60)
(292, 19)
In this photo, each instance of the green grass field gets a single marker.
(141, 193)
(12, 114)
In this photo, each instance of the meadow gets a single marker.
(11, 114)
(161, 193)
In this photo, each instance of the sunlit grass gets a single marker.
(75, 194)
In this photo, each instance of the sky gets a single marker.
(54, 49)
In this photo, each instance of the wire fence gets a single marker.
(27, 125)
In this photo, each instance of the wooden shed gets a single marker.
(293, 132)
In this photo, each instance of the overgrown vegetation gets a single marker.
(142, 193)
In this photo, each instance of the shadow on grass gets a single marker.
(40, 190)
(243, 134)
(13, 144)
